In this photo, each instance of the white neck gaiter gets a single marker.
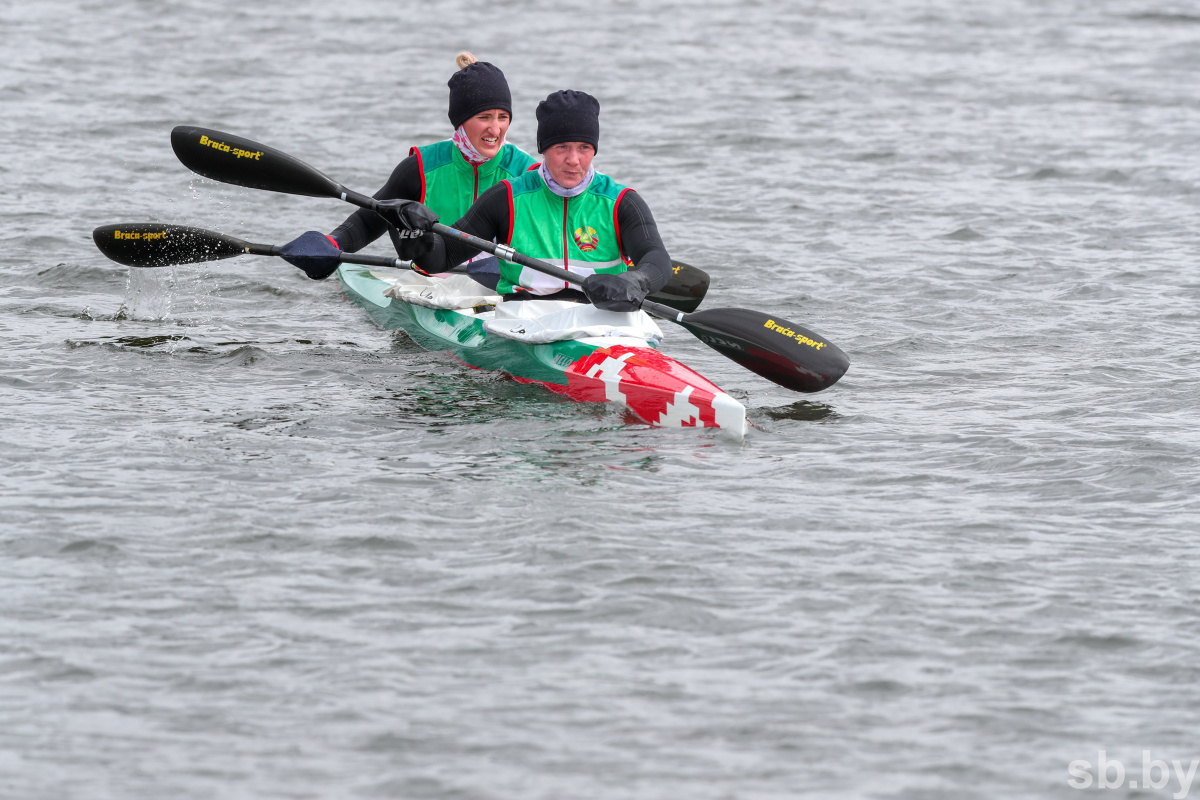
(562, 191)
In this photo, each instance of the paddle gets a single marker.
(153, 244)
(229, 158)
(780, 351)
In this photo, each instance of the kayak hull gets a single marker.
(624, 370)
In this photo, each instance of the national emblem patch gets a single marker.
(587, 238)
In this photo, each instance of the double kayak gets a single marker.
(572, 349)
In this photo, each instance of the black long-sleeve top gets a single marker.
(365, 226)
(489, 219)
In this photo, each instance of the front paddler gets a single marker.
(563, 212)
(447, 176)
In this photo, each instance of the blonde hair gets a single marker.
(464, 59)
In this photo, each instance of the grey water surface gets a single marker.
(252, 546)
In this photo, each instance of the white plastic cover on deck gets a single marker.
(529, 321)
(452, 291)
(541, 321)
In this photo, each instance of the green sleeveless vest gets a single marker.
(578, 233)
(449, 184)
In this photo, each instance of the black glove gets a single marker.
(407, 215)
(411, 245)
(313, 252)
(622, 292)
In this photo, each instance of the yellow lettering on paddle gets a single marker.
(791, 334)
(224, 148)
(132, 235)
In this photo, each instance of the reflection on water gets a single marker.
(451, 393)
(802, 411)
(149, 341)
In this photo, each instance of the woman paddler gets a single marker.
(563, 212)
(446, 176)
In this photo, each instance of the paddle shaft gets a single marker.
(343, 258)
(509, 254)
(362, 201)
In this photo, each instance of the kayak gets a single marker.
(572, 349)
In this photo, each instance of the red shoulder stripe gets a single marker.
(412, 151)
(512, 213)
(617, 225)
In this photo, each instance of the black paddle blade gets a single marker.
(780, 351)
(685, 289)
(229, 158)
(148, 244)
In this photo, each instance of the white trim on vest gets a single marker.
(539, 283)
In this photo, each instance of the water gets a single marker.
(252, 546)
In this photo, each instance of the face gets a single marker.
(568, 162)
(486, 131)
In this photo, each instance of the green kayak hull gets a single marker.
(630, 372)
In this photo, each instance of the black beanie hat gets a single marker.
(476, 88)
(568, 116)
